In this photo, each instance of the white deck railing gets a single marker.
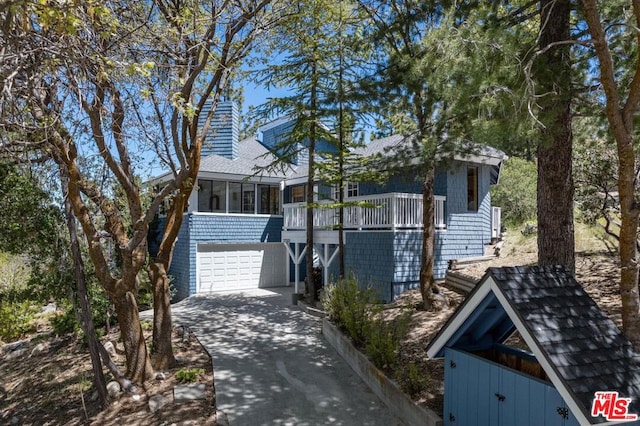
(384, 211)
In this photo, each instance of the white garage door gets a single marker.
(240, 266)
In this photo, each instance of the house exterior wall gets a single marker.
(390, 261)
(216, 228)
(407, 183)
(180, 269)
(369, 257)
(278, 134)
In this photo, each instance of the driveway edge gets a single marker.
(387, 390)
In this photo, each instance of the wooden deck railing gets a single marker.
(383, 211)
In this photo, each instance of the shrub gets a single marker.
(356, 313)
(412, 379)
(384, 339)
(65, 323)
(16, 319)
(350, 308)
(188, 375)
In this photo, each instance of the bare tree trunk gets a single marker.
(138, 363)
(85, 309)
(621, 116)
(427, 283)
(555, 179)
(162, 353)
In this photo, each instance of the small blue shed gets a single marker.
(576, 351)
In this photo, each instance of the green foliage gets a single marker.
(16, 319)
(516, 192)
(595, 175)
(384, 339)
(65, 323)
(188, 375)
(101, 307)
(33, 227)
(351, 308)
(100, 313)
(14, 275)
(29, 220)
(355, 312)
(412, 379)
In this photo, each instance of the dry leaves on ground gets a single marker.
(48, 383)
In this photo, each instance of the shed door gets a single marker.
(480, 392)
(223, 267)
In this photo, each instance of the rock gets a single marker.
(191, 392)
(10, 347)
(18, 353)
(136, 397)
(221, 418)
(40, 348)
(160, 376)
(113, 389)
(111, 348)
(51, 308)
(94, 396)
(14, 420)
(156, 403)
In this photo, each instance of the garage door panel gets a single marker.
(222, 267)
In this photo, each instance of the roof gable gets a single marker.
(578, 346)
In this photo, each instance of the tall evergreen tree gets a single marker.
(409, 34)
(553, 73)
(305, 41)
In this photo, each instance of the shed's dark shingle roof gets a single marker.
(562, 324)
(586, 349)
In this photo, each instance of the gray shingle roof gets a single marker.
(387, 146)
(251, 153)
(562, 324)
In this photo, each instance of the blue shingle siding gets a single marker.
(369, 256)
(407, 183)
(180, 269)
(208, 228)
(224, 131)
(467, 231)
(235, 228)
(274, 136)
(466, 234)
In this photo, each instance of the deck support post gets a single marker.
(297, 257)
(326, 260)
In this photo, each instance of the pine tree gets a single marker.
(306, 42)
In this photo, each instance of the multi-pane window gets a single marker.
(212, 196)
(297, 194)
(472, 188)
(352, 189)
(241, 197)
(268, 199)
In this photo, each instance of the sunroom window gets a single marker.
(212, 196)
(268, 199)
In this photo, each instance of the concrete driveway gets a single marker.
(273, 367)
